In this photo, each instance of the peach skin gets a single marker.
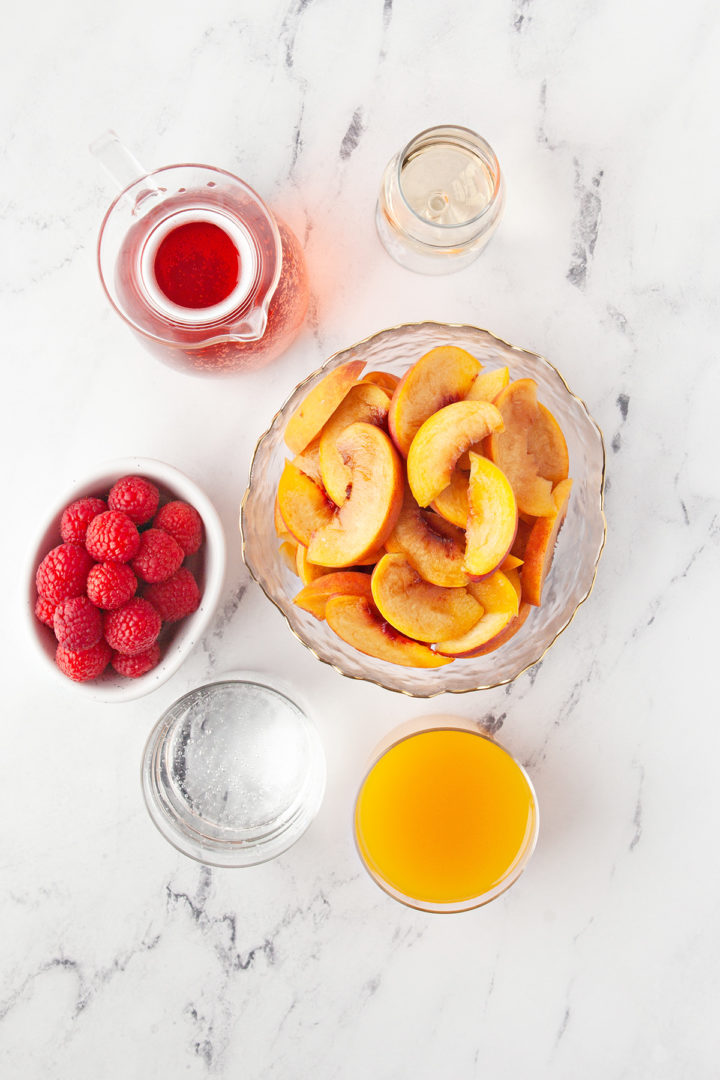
(541, 545)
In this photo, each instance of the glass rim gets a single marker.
(452, 907)
(469, 135)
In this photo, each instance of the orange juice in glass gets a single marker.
(445, 819)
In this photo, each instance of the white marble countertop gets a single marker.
(122, 959)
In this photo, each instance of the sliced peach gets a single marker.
(319, 404)
(443, 375)
(383, 379)
(510, 448)
(288, 553)
(452, 502)
(513, 577)
(429, 543)
(440, 442)
(521, 538)
(280, 527)
(417, 609)
(304, 506)
(358, 622)
(309, 461)
(306, 570)
(316, 594)
(488, 385)
(500, 602)
(547, 445)
(509, 632)
(541, 545)
(492, 517)
(367, 517)
(510, 562)
(363, 403)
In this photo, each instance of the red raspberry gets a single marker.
(88, 664)
(112, 537)
(133, 628)
(136, 497)
(77, 516)
(77, 623)
(63, 572)
(110, 585)
(175, 598)
(45, 609)
(183, 523)
(135, 666)
(159, 556)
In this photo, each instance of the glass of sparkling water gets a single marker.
(234, 771)
(440, 201)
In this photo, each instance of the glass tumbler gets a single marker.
(234, 772)
(445, 818)
(440, 201)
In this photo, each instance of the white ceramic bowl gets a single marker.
(579, 545)
(208, 566)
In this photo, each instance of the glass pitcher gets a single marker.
(198, 266)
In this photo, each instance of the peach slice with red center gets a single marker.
(368, 515)
(500, 604)
(316, 594)
(541, 545)
(357, 621)
(441, 440)
(363, 403)
(492, 517)
(303, 505)
(384, 379)
(429, 543)
(418, 609)
(510, 448)
(452, 502)
(442, 376)
(319, 404)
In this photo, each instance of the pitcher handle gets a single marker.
(122, 166)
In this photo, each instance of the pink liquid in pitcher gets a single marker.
(203, 280)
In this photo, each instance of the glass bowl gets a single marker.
(578, 549)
